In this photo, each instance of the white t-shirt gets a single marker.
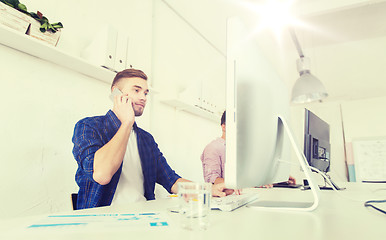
(130, 185)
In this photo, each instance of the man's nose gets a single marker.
(143, 96)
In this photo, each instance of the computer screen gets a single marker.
(258, 135)
(317, 141)
(256, 97)
(317, 147)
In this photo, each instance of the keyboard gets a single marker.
(231, 202)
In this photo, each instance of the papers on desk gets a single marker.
(110, 221)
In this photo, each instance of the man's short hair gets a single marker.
(128, 73)
(223, 118)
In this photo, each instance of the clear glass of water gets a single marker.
(194, 204)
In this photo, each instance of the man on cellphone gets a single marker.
(118, 162)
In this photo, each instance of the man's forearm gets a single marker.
(175, 185)
(218, 180)
(108, 159)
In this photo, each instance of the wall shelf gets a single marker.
(196, 110)
(24, 43)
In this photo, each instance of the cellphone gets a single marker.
(114, 93)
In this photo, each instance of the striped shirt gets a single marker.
(92, 133)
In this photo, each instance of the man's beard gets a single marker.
(138, 113)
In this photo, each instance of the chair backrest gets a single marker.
(74, 199)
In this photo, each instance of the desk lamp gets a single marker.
(307, 88)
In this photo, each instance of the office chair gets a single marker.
(74, 199)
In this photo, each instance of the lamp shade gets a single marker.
(308, 88)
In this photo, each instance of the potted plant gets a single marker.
(37, 25)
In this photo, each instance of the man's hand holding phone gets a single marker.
(123, 107)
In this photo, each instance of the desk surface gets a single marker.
(335, 218)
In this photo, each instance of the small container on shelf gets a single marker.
(47, 36)
(14, 19)
(21, 22)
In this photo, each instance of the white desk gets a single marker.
(335, 218)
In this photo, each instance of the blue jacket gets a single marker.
(92, 133)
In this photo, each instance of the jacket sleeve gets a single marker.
(166, 176)
(86, 142)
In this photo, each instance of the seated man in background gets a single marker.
(213, 160)
(213, 157)
(118, 162)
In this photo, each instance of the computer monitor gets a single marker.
(317, 141)
(317, 147)
(258, 137)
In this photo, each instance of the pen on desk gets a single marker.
(174, 209)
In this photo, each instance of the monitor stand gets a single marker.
(326, 183)
(297, 206)
(333, 184)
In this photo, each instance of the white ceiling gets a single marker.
(345, 40)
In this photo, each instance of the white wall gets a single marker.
(183, 59)
(41, 102)
(364, 118)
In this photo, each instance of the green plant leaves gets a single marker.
(22, 7)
